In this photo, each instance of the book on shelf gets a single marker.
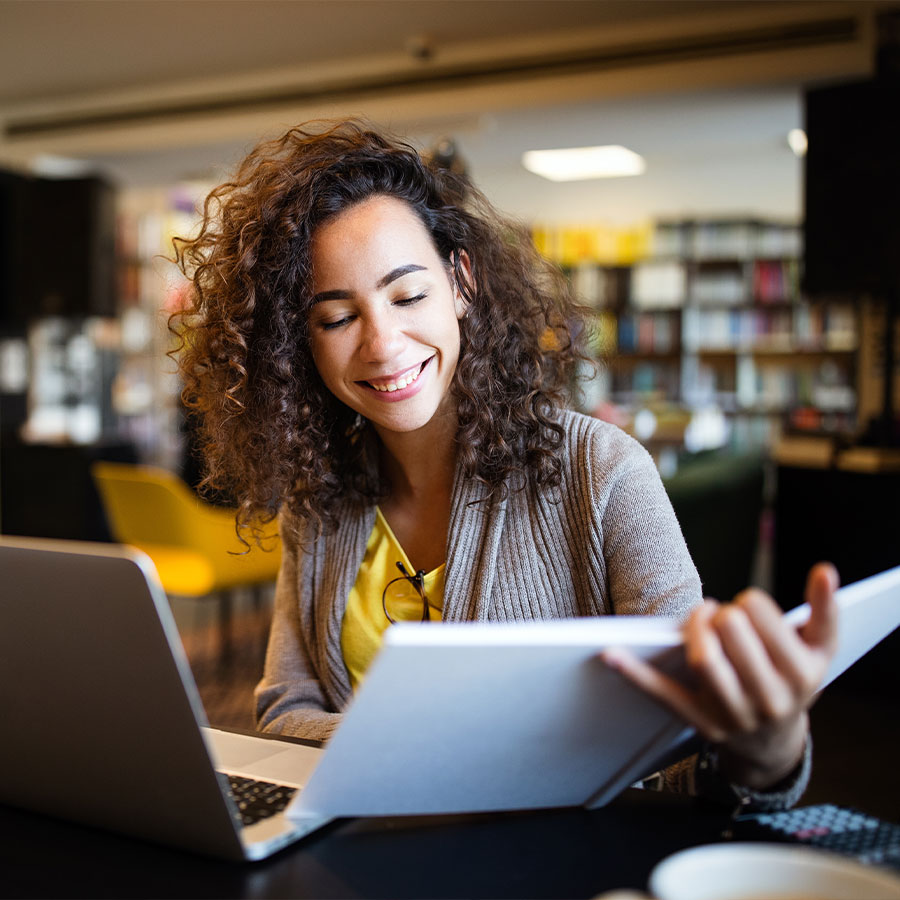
(645, 333)
(718, 288)
(627, 333)
(658, 284)
(664, 339)
(779, 240)
(839, 327)
(670, 240)
(725, 239)
(589, 284)
(776, 281)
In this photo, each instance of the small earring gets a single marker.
(355, 427)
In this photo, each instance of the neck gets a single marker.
(420, 463)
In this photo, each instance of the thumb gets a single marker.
(820, 632)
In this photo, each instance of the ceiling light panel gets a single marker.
(582, 163)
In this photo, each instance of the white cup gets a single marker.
(758, 871)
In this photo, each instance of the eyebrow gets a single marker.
(382, 282)
(399, 272)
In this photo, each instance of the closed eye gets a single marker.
(338, 323)
(411, 301)
(346, 320)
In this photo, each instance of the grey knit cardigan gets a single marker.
(606, 542)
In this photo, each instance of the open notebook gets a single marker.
(103, 724)
(464, 718)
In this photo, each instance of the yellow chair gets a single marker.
(193, 544)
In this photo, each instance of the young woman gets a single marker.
(379, 356)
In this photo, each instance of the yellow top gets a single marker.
(364, 619)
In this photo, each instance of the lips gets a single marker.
(398, 381)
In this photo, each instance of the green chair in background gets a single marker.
(719, 501)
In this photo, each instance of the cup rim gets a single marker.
(762, 853)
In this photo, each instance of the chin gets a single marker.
(402, 426)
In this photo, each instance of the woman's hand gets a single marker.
(755, 678)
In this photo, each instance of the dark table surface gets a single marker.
(555, 853)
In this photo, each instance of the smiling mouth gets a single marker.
(397, 384)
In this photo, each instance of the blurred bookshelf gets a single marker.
(82, 366)
(146, 391)
(702, 325)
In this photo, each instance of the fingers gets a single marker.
(755, 675)
(787, 659)
(755, 642)
(752, 667)
(681, 700)
(726, 702)
(721, 704)
(821, 629)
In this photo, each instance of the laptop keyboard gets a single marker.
(830, 827)
(258, 800)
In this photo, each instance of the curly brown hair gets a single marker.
(271, 432)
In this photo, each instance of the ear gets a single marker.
(465, 270)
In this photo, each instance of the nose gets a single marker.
(381, 338)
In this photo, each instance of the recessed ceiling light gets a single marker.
(45, 165)
(580, 163)
(797, 141)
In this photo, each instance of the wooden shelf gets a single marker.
(805, 352)
(631, 358)
(781, 353)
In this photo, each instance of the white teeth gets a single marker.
(397, 385)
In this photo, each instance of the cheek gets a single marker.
(323, 358)
(316, 354)
(452, 341)
(454, 328)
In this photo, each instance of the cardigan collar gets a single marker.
(476, 526)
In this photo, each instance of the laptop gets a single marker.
(102, 721)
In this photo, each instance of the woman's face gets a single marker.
(384, 325)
